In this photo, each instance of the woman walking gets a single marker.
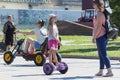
(100, 38)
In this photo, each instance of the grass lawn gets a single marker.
(113, 50)
(82, 45)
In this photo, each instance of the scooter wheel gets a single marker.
(8, 57)
(48, 68)
(66, 68)
(39, 59)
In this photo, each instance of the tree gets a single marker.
(115, 16)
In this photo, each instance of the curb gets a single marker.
(87, 57)
(84, 57)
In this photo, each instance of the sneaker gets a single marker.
(99, 74)
(60, 66)
(108, 75)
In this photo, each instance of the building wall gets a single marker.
(72, 2)
(8, 5)
(59, 2)
(31, 16)
(41, 4)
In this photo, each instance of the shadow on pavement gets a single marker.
(72, 78)
(29, 75)
(24, 66)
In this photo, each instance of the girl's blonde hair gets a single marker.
(100, 4)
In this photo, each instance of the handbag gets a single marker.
(112, 34)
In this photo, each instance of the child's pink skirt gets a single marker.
(52, 44)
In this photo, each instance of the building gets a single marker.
(41, 4)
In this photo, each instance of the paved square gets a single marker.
(79, 69)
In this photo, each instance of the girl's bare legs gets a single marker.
(50, 57)
(29, 43)
(32, 50)
(53, 56)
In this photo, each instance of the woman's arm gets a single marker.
(99, 25)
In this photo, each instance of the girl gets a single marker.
(41, 35)
(53, 38)
(100, 37)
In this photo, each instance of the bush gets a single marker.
(115, 16)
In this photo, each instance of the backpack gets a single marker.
(111, 34)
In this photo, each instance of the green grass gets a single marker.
(77, 39)
(113, 48)
(82, 39)
(88, 50)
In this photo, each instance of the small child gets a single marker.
(53, 38)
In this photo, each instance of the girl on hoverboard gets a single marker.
(53, 42)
